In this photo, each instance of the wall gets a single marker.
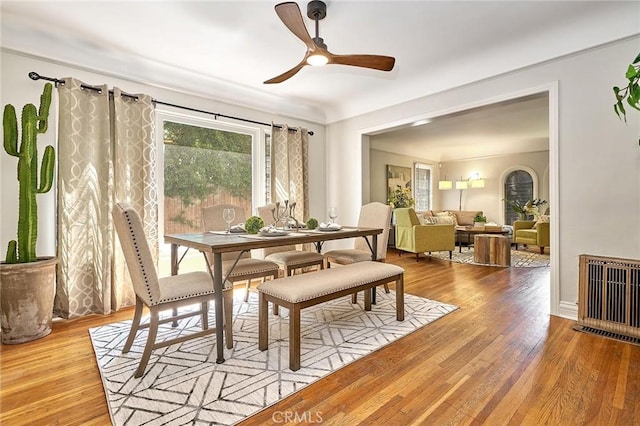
(595, 158)
(378, 161)
(492, 169)
(18, 90)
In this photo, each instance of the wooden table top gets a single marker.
(222, 243)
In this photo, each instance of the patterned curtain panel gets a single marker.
(135, 162)
(290, 167)
(97, 133)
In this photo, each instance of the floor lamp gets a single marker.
(461, 185)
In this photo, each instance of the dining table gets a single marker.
(218, 243)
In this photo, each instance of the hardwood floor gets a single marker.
(499, 359)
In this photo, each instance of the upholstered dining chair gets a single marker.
(372, 215)
(247, 268)
(288, 258)
(161, 294)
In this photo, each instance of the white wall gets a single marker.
(378, 162)
(18, 90)
(597, 181)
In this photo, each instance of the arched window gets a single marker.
(518, 187)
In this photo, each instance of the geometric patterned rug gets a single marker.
(519, 258)
(184, 385)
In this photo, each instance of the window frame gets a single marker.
(195, 119)
(505, 174)
(414, 185)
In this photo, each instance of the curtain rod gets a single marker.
(36, 76)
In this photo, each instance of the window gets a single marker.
(422, 186)
(203, 163)
(518, 186)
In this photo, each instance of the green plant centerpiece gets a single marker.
(480, 218)
(27, 280)
(253, 224)
(312, 223)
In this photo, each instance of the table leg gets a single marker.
(374, 257)
(174, 271)
(174, 259)
(217, 286)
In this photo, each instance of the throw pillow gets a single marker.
(542, 219)
(430, 220)
(452, 215)
(444, 220)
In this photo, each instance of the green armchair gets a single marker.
(525, 233)
(415, 238)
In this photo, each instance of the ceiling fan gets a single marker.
(317, 53)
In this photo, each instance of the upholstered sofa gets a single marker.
(531, 232)
(413, 237)
(460, 217)
(456, 217)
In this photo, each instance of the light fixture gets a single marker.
(420, 122)
(462, 184)
(477, 183)
(444, 185)
(317, 60)
(474, 181)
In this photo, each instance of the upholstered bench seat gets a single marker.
(300, 291)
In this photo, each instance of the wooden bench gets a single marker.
(301, 291)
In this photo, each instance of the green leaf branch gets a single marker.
(630, 93)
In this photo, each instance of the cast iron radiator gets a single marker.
(609, 297)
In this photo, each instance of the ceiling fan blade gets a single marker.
(291, 16)
(288, 74)
(376, 62)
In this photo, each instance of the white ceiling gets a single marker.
(226, 49)
(514, 126)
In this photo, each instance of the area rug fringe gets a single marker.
(184, 385)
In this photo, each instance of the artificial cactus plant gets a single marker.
(34, 121)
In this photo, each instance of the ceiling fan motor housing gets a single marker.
(316, 10)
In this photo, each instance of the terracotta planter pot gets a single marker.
(26, 300)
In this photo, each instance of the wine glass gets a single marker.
(228, 215)
(283, 217)
(333, 214)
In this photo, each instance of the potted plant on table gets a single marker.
(26, 280)
(479, 221)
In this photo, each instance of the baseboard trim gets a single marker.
(568, 310)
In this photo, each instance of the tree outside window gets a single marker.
(203, 167)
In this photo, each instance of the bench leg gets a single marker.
(367, 299)
(263, 323)
(400, 298)
(294, 338)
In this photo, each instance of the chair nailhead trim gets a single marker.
(127, 216)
